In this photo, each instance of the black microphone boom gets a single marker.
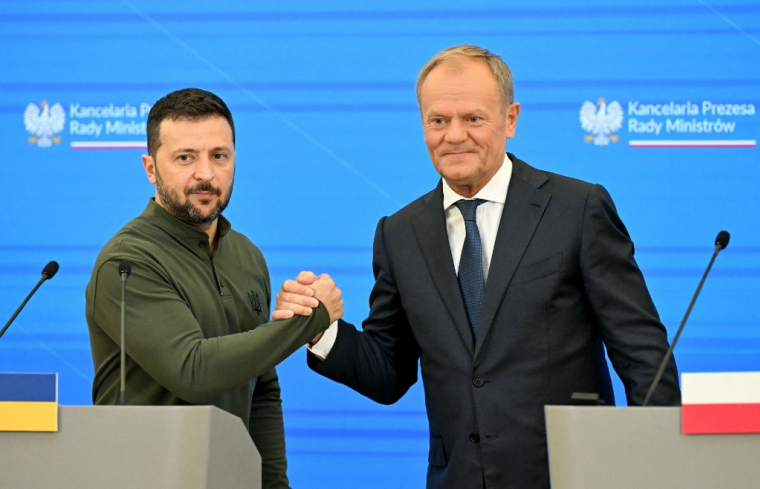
(125, 269)
(47, 273)
(720, 243)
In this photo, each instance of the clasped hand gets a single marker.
(300, 296)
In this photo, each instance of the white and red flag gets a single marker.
(720, 403)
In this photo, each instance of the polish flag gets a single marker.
(720, 403)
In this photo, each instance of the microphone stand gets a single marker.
(125, 268)
(719, 245)
(47, 273)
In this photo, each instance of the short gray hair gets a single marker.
(499, 68)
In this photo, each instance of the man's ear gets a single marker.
(511, 119)
(150, 167)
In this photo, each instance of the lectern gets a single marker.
(633, 448)
(195, 447)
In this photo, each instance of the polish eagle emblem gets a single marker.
(601, 120)
(44, 122)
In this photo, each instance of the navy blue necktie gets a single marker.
(472, 281)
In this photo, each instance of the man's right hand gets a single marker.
(298, 297)
(329, 294)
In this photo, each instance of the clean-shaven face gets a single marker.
(465, 122)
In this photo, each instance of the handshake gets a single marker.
(300, 296)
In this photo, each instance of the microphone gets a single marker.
(125, 269)
(721, 241)
(47, 273)
(50, 270)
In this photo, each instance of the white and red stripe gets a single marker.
(708, 143)
(720, 403)
(109, 145)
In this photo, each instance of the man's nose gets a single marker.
(204, 169)
(455, 133)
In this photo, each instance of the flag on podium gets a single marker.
(28, 402)
(714, 403)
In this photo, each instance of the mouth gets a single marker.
(204, 191)
(457, 153)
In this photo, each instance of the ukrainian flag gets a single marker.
(28, 402)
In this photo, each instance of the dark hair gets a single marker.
(188, 103)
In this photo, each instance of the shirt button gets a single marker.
(474, 437)
(478, 381)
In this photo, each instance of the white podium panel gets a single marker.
(115, 447)
(633, 448)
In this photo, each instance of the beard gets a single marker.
(186, 211)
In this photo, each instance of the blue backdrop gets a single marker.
(329, 141)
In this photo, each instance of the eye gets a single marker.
(438, 121)
(183, 158)
(220, 156)
(473, 118)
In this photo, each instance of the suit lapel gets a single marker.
(523, 209)
(429, 226)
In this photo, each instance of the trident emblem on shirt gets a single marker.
(255, 301)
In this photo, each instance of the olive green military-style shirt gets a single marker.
(198, 329)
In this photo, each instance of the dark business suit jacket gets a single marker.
(562, 284)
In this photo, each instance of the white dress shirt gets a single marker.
(488, 216)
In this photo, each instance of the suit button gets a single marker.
(474, 437)
(478, 381)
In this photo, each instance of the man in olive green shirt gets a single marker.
(199, 292)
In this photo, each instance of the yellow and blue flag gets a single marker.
(28, 402)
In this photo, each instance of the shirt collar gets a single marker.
(494, 191)
(175, 227)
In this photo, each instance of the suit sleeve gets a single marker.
(268, 431)
(166, 340)
(635, 338)
(381, 361)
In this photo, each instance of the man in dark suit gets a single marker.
(505, 283)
